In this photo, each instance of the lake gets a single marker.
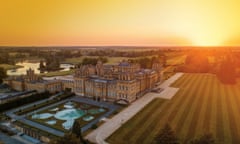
(34, 66)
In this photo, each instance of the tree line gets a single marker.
(224, 65)
(6, 59)
(93, 61)
(3, 74)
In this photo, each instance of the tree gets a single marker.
(87, 61)
(196, 62)
(67, 139)
(4, 58)
(103, 59)
(163, 59)
(204, 139)
(41, 65)
(144, 62)
(76, 129)
(227, 71)
(52, 63)
(3, 74)
(166, 136)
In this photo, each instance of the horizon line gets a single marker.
(28, 46)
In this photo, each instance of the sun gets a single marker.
(207, 40)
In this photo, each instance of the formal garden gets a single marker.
(62, 116)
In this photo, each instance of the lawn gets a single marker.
(57, 73)
(180, 59)
(8, 67)
(111, 60)
(201, 105)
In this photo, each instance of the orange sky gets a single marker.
(120, 22)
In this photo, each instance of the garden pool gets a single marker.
(68, 114)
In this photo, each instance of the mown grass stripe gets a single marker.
(168, 109)
(185, 85)
(186, 107)
(219, 118)
(190, 117)
(236, 93)
(174, 112)
(216, 107)
(147, 124)
(135, 121)
(142, 138)
(131, 124)
(182, 94)
(146, 114)
(204, 108)
(208, 113)
(179, 100)
(159, 120)
(212, 125)
(231, 115)
(236, 101)
(180, 81)
(197, 110)
(226, 122)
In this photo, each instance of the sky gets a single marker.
(119, 22)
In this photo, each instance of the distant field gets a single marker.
(74, 60)
(202, 105)
(8, 67)
(57, 73)
(176, 60)
(111, 60)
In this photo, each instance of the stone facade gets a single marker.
(33, 133)
(121, 83)
(31, 81)
(124, 82)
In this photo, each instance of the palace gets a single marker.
(31, 81)
(123, 83)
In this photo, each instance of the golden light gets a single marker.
(119, 22)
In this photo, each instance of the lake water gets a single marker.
(34, 66)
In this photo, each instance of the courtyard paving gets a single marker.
(100, 134)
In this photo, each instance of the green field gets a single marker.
(176, 60)
(202, 105)
(111, 60)
(8, 67)
(57, 73)
(78, 60)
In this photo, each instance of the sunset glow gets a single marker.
(120, 22)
